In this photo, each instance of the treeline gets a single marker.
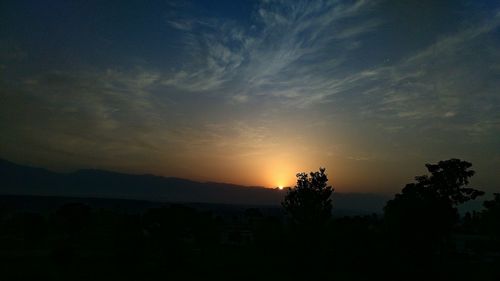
(419, 237)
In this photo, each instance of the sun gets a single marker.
(280, 187)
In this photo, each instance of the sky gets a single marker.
(253, 92)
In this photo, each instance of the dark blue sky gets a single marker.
(252, 92)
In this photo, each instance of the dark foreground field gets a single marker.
(50, 238)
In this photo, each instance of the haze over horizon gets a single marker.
(252, 92)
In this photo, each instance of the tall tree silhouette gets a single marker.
(423, 214)
(309, 203)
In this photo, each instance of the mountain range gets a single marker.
(18, 179)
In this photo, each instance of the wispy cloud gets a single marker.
(293, 53)
(87, 112)
(446, 80)
(272, 58)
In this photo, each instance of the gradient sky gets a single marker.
(252, 92)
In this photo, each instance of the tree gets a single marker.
(422, 216)
(491, 216)
(449, 180)
(309, 203)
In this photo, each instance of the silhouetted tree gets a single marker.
(491, 216)
(308, 203)
(423, 214)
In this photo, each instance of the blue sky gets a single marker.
(252, 92)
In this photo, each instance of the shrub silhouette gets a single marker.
(421, 217)
(308, 203)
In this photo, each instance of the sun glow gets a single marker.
(280, 187)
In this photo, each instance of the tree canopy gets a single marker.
(425, 211)
(308, 203)
(491, 216)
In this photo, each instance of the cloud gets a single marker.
(281, 55)
(184, 25)
(295, 55)
(90, 113)
(447, 79)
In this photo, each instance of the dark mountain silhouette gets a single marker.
(24, 180)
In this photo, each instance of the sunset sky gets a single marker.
(252, 92)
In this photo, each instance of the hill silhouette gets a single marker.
(18, 179)
(25, 180)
